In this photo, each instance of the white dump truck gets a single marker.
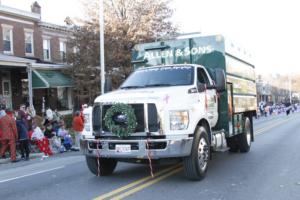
(185, 99)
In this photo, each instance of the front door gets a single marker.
(209, 97)
(6, 89)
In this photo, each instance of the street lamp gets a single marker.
(101, 32)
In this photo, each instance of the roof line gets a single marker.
(20, 13)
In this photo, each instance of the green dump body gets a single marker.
(210, 52)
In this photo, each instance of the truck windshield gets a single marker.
(160, 77)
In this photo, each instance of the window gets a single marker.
(6, 88)
(62, 98)
(7, 39)
(202, 76)
(29, 43)
(46, 49)
(62, 50)
(160, 77)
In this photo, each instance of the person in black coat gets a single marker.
(288, 107)
(23, 137)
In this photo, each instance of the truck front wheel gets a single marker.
(195, 165)
(101, 167)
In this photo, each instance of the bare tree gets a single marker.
(127, 22)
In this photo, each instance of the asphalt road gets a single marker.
(271, 170)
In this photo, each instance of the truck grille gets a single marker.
(153, 124)
(96, 119)
(139, 114)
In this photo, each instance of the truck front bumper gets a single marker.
(160, 148)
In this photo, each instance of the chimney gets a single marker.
(36, 8)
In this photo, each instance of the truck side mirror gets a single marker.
(220, 80)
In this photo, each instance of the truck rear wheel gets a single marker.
(245, 138)
(107, 165)
(195, 165)
(232, 143)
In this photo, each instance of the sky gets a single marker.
(267, 29)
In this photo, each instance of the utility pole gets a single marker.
(30, 93)
(101, 32)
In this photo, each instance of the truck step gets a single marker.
(221, 149)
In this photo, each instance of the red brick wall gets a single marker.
(19, 38)
(18, 35)
(55, 56)
(38, 43)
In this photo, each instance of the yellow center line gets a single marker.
(149, 183)
(114, 192)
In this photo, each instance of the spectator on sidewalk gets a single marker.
(62, 132)
(67, 142)
(262, 108)
(49, 114)
(49, 131)
(55, 144)
(271, 108)
(48, 117)
(78, 128)
(23, 138)
(42, 141)
(267, 110)
(10, 112)
(23, 114)
(288, 108)
(84, 106)
(9, 135)
(30, 114)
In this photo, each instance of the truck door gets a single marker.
(208, 97)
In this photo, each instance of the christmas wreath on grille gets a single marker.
(120, 119)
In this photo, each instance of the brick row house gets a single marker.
(32, 61)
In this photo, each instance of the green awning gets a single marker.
(50, 79)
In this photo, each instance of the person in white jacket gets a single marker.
(41, 141)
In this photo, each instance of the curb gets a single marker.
(31, 156)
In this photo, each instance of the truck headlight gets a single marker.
(179, 119)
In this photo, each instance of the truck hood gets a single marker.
(145, 95)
